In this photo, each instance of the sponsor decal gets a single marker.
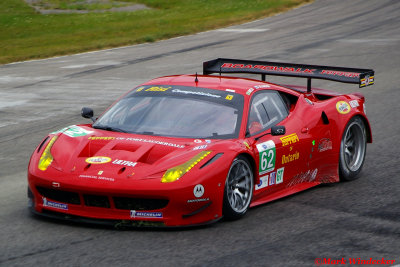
(73, 131)
(52, 204)
(229, 97)
(145, 214)
(341, 73)
(368, 80)
(268, 68)
(267, 155)
(101, 138)
(249, 91)
(304, 177)
(262, 86)
(263, 182)
(100, 173)
(200, 147)
(195, 93)
(343, 107)
(124, 163)
(354, 103)
(289, 139)
(198, 191)
(290, 157)
(95, 177)
(157, 89)
(197, 141)
(98, 160)
(294, 70)
(230, 90)
(198, 200)
(208, 141)
(324, 144)
(272, 178)
(279, 175)
(55, 184)
(150, 141)
(140, 88)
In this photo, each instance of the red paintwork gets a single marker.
(69, 171)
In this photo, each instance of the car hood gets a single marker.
(83, 150)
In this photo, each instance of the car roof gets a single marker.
(223, 83)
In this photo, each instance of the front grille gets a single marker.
(96, 201)
(127, 203)
(59, 195)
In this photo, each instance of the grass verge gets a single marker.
(27, 34)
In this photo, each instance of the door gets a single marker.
(281, 157)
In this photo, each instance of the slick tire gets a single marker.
(238, 191)
(353, 147)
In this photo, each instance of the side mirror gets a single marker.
(87, 113)
(278, 130)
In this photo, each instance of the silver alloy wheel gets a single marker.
(354, 146)
(239, 186)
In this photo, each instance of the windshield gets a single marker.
(186, 112)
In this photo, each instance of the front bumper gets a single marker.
(145, 202)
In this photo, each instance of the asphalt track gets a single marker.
(359, 219)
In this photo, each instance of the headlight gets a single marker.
(46, 159)
(177, 172)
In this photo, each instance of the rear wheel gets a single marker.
(352, 149)
(238, 189)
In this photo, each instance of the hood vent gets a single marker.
(155, 153)
(126, 147)
(91, 149)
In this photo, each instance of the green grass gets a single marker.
(26, 34)
(82, 5)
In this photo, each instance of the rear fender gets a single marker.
(360, 111)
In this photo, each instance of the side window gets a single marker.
(267, 109)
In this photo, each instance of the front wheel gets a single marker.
(238, 189)
(352, 149)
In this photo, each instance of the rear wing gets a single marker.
(362, 77)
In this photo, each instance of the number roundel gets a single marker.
(267, 154)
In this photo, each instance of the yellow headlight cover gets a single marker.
(46, 159)
(175, 173)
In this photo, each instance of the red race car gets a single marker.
(187, 150)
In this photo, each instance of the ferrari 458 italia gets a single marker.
(191, 149)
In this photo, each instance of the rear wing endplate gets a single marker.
(362, 77)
